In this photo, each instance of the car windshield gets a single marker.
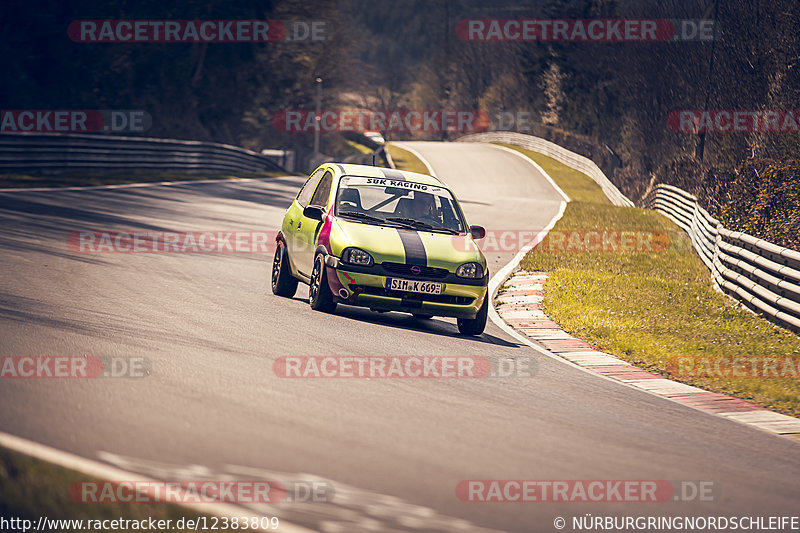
(398, 203)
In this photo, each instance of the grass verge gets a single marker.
(30, 488)
(651, 308)
(86, 179)
(405, 160)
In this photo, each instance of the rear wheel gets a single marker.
(476, 325)
(283, 283)
(319, 293)
(420, 316)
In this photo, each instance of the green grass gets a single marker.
(649, 307)
(405, 160)
(84, 179)
(30, 488)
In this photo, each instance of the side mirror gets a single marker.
(477, 232)
(314, 212)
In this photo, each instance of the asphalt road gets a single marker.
(394, 450)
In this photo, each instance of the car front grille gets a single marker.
(403, 269)
(411, 297)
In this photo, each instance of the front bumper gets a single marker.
(366, 287)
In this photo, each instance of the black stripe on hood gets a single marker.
(414, 249)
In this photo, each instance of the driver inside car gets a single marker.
(422, 208)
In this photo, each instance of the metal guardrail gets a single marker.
(55, 152)
(559, 153)
(282, 158)
(762, 275)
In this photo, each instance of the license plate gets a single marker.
(424, 287)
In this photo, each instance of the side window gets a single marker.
(323, 191)
(305, 193)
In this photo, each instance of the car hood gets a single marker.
(399, 245)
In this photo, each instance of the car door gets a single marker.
(293, 221)
(309, 228)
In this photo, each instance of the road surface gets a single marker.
(394, 450)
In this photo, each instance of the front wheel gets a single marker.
(283, 283)
(319, 293)
(475, 326)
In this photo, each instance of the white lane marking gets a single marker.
(766, 420)
(111, 473)
(664, 386)
(356, 509)
(770, 426)
(537, 278)
(500, 278)
(504, 272)
(548, 334)
(677, 392)
(135, 185)
(527, 298)
(337, 507)
(425, 162)
(593, 358)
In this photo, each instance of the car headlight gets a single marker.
(470, 270)
(356, 256)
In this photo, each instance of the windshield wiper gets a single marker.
(357, 214)
(381, 221)
(411, 222)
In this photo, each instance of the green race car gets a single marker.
(385, 239)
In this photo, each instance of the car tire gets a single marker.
(319, 292)
(283, 283)
(420, 316)
(476, 325)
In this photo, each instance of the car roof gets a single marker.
(368, 171)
